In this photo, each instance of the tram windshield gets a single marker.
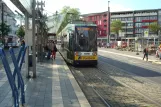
(86, 38)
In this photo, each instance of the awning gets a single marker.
(25, 6)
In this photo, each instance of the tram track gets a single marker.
(106, 104)
(146, 87)
(112, 92)
(141, 94)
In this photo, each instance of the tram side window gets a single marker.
(70, 41)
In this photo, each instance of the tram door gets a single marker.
(70, 54)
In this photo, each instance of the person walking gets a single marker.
(145, 52)
(23, 44)
(23, 47)
(54, 50)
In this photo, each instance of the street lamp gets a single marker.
(142, 39)
(108, 35)
(158, 37)
(136, 41)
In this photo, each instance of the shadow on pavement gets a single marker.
(139, 71)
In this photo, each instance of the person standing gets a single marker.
(23, 44)
(54, 50)
(145, 52)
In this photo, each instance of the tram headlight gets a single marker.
(76, 53)
(95, 53)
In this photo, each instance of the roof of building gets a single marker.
(92, 14)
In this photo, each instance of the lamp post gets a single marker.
(33, 39)
(2, 18)
(158, 37)
(136, 41)
(108, 35)
(142, 40)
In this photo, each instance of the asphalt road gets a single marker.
(131, 65)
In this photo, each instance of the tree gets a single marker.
(6, 29)
(70, 14)
(21, 32)
(116, 26)
(154, 27)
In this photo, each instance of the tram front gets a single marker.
(85, 45)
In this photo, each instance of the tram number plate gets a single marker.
(88, 57)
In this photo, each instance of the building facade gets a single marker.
(135, 23)
(101, 20)
(9, 18)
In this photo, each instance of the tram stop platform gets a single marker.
(54, 86)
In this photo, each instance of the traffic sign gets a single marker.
(146, 33)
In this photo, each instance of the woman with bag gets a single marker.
(54, 50)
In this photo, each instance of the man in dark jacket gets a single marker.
(145, 52)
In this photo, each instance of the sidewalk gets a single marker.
(54, 86)
(151, 58)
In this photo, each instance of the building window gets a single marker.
(138, 19)
(138, 24)
(95, 17)
(104, 31)
(145, 24)
(153, 17)
(130, 19)
(145, 18)
(105, 26)
(138, 30)
(105, 21)
(100, 17)
(129, 24)
(129, 30)
(90, 18)
(104, 15)
(100, 32)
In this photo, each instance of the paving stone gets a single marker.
(51, 88)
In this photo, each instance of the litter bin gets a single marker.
(30, 60)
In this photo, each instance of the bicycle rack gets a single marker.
(11, 77)
(17, 70)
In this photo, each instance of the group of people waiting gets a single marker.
(50, 48)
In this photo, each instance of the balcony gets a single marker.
(127, 21)
(145, 14)
(122, 15)
(127, 32)
(149, 21)
(127, 27)
(144, 27)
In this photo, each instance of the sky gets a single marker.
(92, 6)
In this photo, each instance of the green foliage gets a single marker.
(154, 27)
(21, 32)
(70, 14)
(6, 29)
(116, 26)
